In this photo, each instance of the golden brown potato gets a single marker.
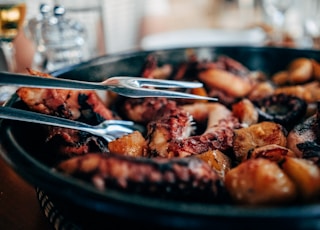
(306, 175)
(272, 152)
(295, 90)
(259, 182)
(198, 91)
(300, 70)
(316, 69)
(87, 164)
(245, 111)
(226, 81)
(280, 78)
(257, 135)
(202, 112)
(314, 88)
(217, 160)
(132, 144)
(261, 90)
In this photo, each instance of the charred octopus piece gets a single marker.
(304, 138)
(284, 109)
(179, 178)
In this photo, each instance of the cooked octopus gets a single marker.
(84, 105)
(72, 104)
(169, 134)
(303, 139)
(178, 178)
(151, 69)
(170, 124)
(197, 150)
(144, 110)
(218, 137)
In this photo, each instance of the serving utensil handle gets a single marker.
(22, 80)
(39, 118)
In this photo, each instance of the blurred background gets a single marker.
(111, 26)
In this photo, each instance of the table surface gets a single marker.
(19, 206)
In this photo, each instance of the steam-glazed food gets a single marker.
(258, 145)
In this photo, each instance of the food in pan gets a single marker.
(258, 145)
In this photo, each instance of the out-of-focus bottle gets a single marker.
(33, 32)
(90, 15)
(63, 40)
(59, 40)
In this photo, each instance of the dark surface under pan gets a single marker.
(83, 206)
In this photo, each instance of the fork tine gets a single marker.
(118, 122)
(118, 129)
(123, 123)
(160, 83)
(149, 92)
(133, 87)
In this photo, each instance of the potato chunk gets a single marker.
(217, 161)
(257, 135)
(306, 175)
(259, 182)
(272, 152)
(132, 144)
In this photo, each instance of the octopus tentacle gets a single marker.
(144, 110)
(170, 125)
(304, 138)
(175, 178)
(218, 136)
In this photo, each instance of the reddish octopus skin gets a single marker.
(80, 105)
(144, 110)
(218, 137)
(178, 178)
(171, 124)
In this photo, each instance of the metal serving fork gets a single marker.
(109, 129)
(127, 86)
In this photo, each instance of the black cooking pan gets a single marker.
(72, 204)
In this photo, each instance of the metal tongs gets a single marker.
(108, 129)
(135, 87)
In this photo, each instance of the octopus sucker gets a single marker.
(169, 125)
(176, 178)
(170, 134)
(216, 137)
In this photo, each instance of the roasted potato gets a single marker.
(257, 135)
(217, 160)
(272, 152)
(132, 144)
(259, 182)
(306, 176)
